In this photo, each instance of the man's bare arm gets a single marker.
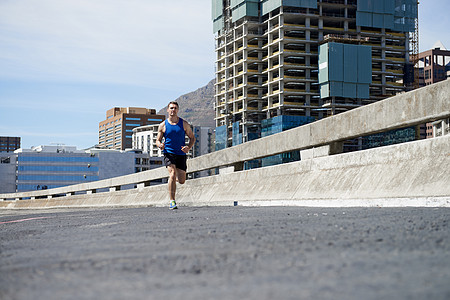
(190, 134)
(159, 137)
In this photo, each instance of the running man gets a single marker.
(173, 129)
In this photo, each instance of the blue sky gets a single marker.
(63, 63)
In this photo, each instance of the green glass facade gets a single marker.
(398, 15)
(251, 8)
(389, 138)
(345, 70)
(280, 124)
(221, 137)
(244, 8)
(270, 5)
(216, 14)
(237, 135)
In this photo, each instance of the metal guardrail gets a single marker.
(423, 105)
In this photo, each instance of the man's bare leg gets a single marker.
(174, 176)
(181, 176)
(172, 181)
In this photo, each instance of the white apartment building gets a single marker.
(144, 139)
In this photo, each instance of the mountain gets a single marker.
(197, 107)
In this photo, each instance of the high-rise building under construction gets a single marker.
(284, 63)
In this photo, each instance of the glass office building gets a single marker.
(46, 167)
(37, 170)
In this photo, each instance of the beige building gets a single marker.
(117, 130)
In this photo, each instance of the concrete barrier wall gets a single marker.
(416, 107)
(409, 174)
(419, 106)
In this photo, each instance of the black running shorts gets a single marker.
(173, 159)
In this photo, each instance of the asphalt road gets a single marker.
(225, 253)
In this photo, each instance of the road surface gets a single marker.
(225, 253)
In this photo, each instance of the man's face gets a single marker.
(172, 110)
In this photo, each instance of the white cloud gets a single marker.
(114, 41)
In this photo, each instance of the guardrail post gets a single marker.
(239, 166)
(142, 185)
(315, 152)
(336, 148)
(91, 191)
(114, 188)
(70, 194)
(49, 196)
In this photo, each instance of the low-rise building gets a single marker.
(144, 139)
(46, 167)
(434, 66)
(7, 172)
(204, 140)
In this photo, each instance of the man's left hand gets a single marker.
(185, 149)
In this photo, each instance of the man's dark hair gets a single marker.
(173, 102)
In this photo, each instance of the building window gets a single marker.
(57, 159)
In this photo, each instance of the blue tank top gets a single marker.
(174, 137)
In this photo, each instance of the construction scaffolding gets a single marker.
(267, 57)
